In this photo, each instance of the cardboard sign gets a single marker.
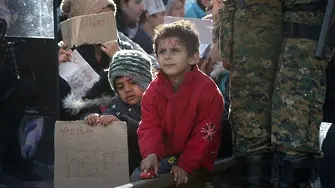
(204, 27)
(89, 29)
(78, 74)
(90, 157)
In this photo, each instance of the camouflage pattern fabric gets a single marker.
(299, 91)
(277, 87)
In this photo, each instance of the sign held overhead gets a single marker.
(89, 29)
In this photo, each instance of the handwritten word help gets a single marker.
(87, 164)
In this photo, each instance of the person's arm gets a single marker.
(150, 130)
(205, 137)
(190, 13)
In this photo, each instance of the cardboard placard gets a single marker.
(90, 157)
(89, 29)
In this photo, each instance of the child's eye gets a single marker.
(175, 50)
(119, 87)
(161, 51)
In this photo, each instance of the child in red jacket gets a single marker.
(181, 109)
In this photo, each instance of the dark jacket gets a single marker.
(132, 115)
(120, 24)
(144, 40)
(329, 105)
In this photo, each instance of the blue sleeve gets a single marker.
(190, 13)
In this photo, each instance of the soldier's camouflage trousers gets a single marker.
(277, 86)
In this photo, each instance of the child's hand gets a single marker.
(64, 55)
(151, 161)
(110, 48)
(107, 119)
(92, 119)
(180, 175)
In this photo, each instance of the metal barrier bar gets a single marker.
(166, 180)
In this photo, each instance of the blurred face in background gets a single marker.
(132, 10)
(156, 19)
(177, 9)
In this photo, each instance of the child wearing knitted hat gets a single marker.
(129, 75)
(181, 109)
(98, 56)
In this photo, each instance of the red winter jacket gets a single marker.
(186, 122)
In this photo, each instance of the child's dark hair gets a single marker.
(182, 29)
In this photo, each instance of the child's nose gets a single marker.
(167, 55)
(127, 88)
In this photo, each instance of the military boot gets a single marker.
(256, 171)
(295, 172)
